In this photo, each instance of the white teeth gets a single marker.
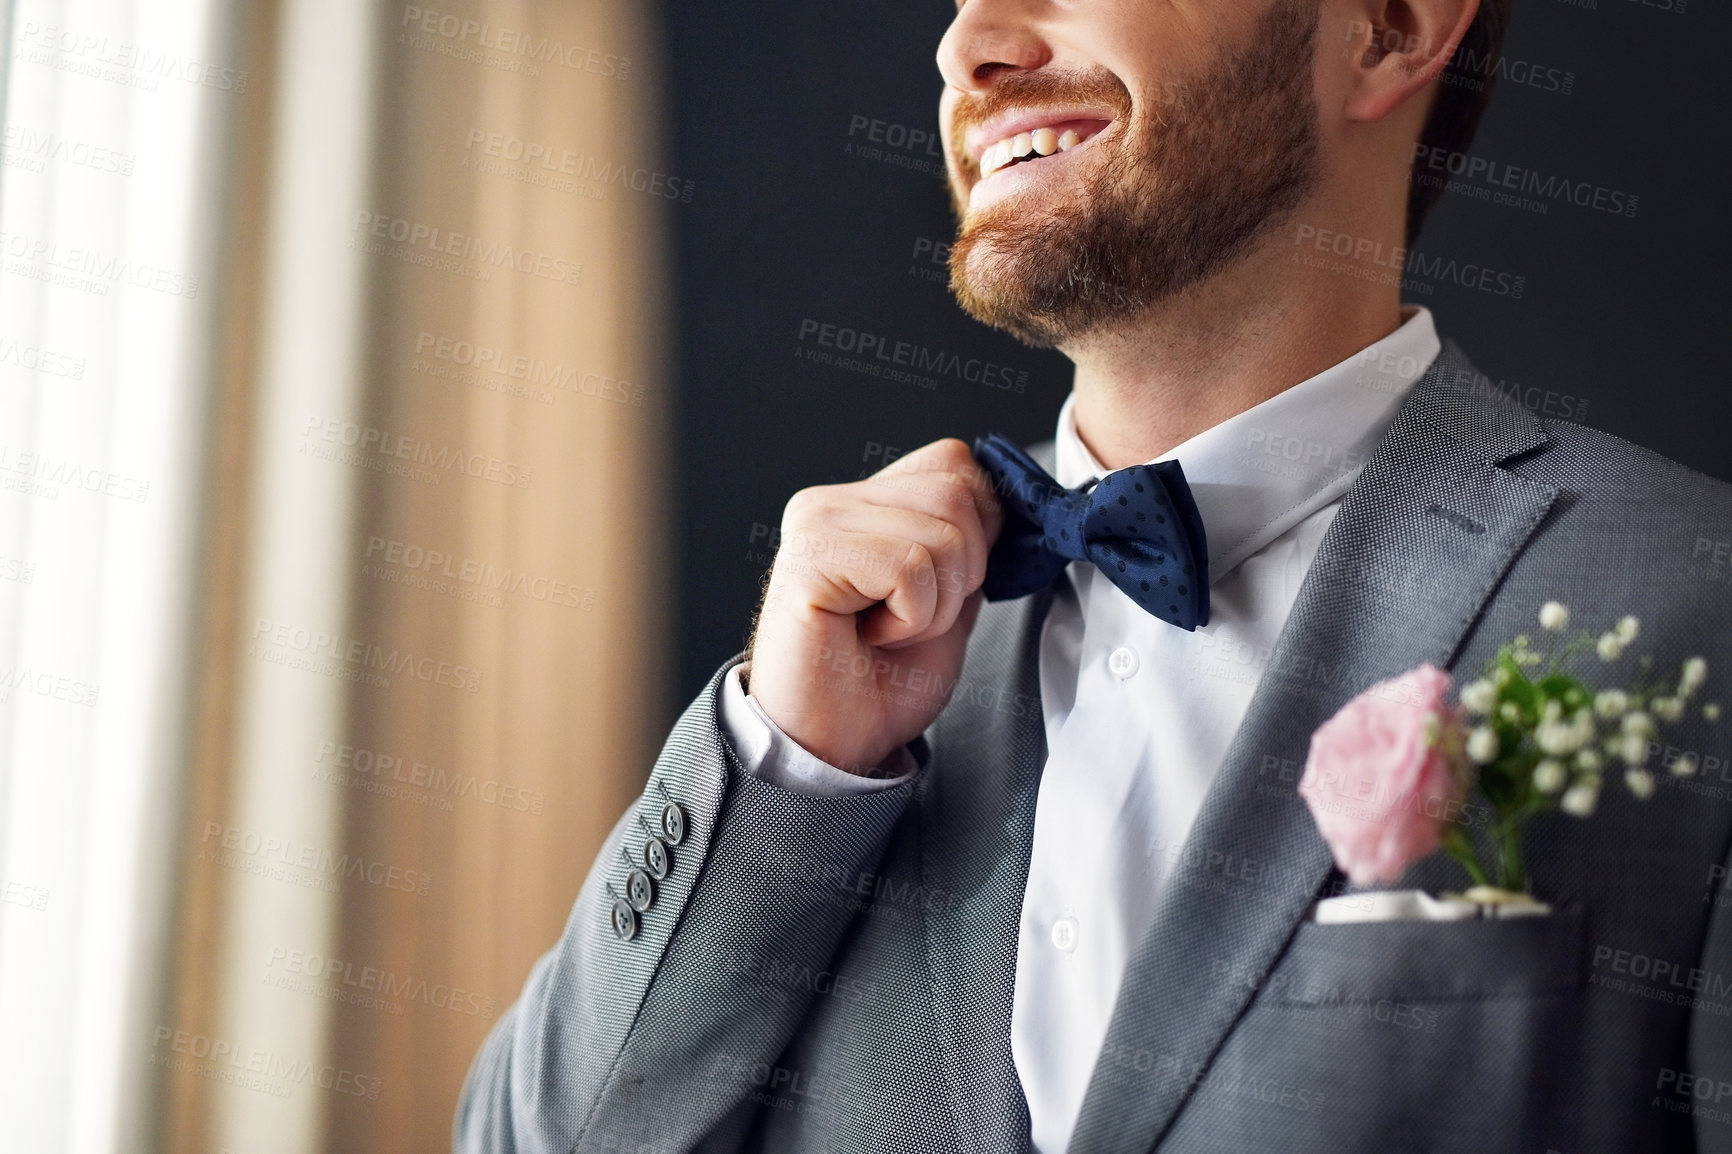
(1039, 142)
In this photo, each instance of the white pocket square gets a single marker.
(1417, 906)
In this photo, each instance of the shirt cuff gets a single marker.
(767, 753)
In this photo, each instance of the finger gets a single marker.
(945, 455)
(958, 554)
(988, 505)
(955, 460)
(945, 497)
(841, 572)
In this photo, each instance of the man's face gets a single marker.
(1105, 155)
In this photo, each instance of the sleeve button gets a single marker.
(656, 858)
(640, 891)
(674, 823)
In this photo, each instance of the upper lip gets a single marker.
(982, 136)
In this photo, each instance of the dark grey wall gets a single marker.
(800, 219)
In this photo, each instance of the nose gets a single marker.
(989, 37)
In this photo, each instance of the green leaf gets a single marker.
(1563, 688)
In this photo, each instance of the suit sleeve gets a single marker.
(765, 751)
(1710, 1049)
(657, 1035)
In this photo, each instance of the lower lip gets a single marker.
(1019, 177)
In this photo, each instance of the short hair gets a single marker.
(1465, 89)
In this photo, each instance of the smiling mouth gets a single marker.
(1037, 144)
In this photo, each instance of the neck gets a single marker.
(1248, 333)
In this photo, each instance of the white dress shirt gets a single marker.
(1139, 713)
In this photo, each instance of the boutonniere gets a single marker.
(1400, 772)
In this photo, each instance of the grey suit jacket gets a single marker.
(835, 974)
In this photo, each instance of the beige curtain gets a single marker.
(501, 647)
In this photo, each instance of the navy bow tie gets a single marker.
(1139, 526)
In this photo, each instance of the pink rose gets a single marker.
(1379, 780)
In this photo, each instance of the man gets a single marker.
(932, 873)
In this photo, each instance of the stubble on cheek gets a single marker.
(1179, 191)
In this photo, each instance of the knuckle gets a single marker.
(810, 505)
(952, 449)
(798, 505)
(951, 538)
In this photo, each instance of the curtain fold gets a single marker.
(109, 176)
(332, 596)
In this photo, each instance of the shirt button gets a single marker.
(1064, 933)
(1123, 663)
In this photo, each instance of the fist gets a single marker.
(870, 603)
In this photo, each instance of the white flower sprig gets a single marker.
(1539, 739)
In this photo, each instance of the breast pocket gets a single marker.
(1432, 962)
(1401, 1036)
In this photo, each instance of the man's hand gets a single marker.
(870, 603)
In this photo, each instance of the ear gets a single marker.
(1400, 47)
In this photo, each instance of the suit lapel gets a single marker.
(1423, 537)
(977, 801)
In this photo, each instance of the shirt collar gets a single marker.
(1262, 471)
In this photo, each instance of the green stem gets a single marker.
(1512, 872)
(1581, 643)
(1459, 846)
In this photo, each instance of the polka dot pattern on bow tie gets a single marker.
(1139, 526)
